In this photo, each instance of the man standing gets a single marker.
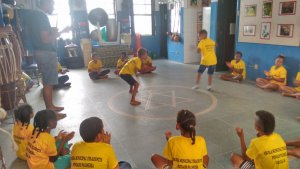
(43, 38)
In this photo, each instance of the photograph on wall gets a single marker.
(250, 10)
(285, 30)
(287, 8)
(267, 9)
(265, 30)
(249, 30)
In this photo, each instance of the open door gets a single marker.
(225, 32)
(163, 8)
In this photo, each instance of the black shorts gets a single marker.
(210, 71)
(129, 79)
(247, 165)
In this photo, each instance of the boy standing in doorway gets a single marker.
(208, 59)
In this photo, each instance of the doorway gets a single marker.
(163, 8)
(226, 20)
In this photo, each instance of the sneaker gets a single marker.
(209, 88)
(195, 87)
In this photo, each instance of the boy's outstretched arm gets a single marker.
(240, 133)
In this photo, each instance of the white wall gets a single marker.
(190, 33)
(206, 19)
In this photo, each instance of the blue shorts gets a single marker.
(210, 71)
(47, 65)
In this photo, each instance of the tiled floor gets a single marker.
(137, 132)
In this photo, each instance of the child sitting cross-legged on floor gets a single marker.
(121, 62)
(22, 129)
(95, 68)
(187, 147)
(275, 78)
(95, 150)
(267, 151)
(292, 91)
(237, 68)
(147, 65)
(63, 78)
(43, 150)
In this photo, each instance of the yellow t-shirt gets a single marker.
(39, 150)
(94, 66)
(268, 152)
(184, 154)
(147, 61)
(120, 63)
(298, 79)
(279, 73)
(132, 66)
(207, 47)
(21, 136)
(93, 155)
(240, 65)
(59, 67)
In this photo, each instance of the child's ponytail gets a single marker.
(41, 121)
(187, 122)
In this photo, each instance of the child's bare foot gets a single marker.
(135, 103)
(104, 77)
(298, 97)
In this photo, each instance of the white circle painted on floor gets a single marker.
(163, 102)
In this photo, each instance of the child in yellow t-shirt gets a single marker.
(63, 78)
(293, 147)
(129, 69)
(43, 150)
(267, 151)
(95, 68)
(22, 129)
(187, 147)
(237, 68)
(275, 78)
(147, 66)
(208, 58)
(292, 91)
(95, 150)
(28, 82)
(121, 62)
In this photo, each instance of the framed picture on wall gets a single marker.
(285, 30)
(265, 30)
(249, 30)
(287, 8)
(267, 9)
(250, 10)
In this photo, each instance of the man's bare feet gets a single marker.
(60, 116)
(55, 108)
(130, 91)
(135, 103)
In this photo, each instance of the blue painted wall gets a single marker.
(265, 54)
(213, 20)
(262, 54)
(176, 49)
